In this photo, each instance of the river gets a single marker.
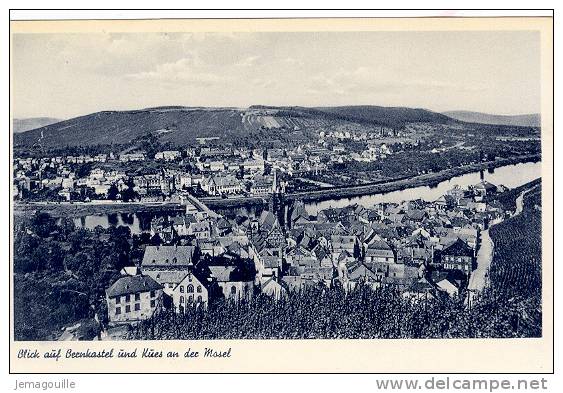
(510, 176)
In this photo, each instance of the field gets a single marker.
(516, 267)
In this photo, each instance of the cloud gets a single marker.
(186, 70)
(364, 80)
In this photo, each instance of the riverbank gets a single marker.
(80, 209)
(429, 179)
(225, 203)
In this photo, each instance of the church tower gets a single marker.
(275, 203)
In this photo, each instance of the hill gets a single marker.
(531, 120)
(181, 125)
(387, 116)
(21, 125)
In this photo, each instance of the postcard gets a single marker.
(328, 195)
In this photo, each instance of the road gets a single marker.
(316, 182)
(478, 278)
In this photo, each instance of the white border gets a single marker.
(236, 383)
(166, 14)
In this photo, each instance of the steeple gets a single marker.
(275, 182)
(275, 203)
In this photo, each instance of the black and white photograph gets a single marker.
(304, 184)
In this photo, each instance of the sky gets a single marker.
(68, 75)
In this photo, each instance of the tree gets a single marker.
(55, 260)
(80, 263)
(129, 194)
(24, 249)
(42, 224)
(84, 170)
(66, 227)
(150, 144)
(156, 240)
(113, 192)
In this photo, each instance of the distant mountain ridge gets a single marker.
(21, 125)
(529, 120)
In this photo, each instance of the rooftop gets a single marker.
(132, 284)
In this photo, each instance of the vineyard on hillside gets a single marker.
(516, 267)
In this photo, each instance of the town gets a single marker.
(196, 248)
(423, 249)
(310, 155)
(208, 169)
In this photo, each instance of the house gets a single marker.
(223, 227)
(66, 194)
(341, 243)
(150, 183)
(100, 158)
(445, 202)
(449, 286)
(456, 193)
(97, 173)
(414, 215)
(267, 233)
(168, 155)
(220, 185)
(161, 227)
(189, 292)
(421, 290)
(261, 185)
(102, 189)
(271, 265)
(323, 255)
(458, 256)
(168, 257)
(67, 183)
(270, 287)
(251, 165)
(210, 247)
(130, 157)
(400, 271)
(484, 188)
(362, 273)
(379, 251)
(210, 166)
(169, 279)
(179, 223)
(312, 276)
(232, 287)
(133, 298)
